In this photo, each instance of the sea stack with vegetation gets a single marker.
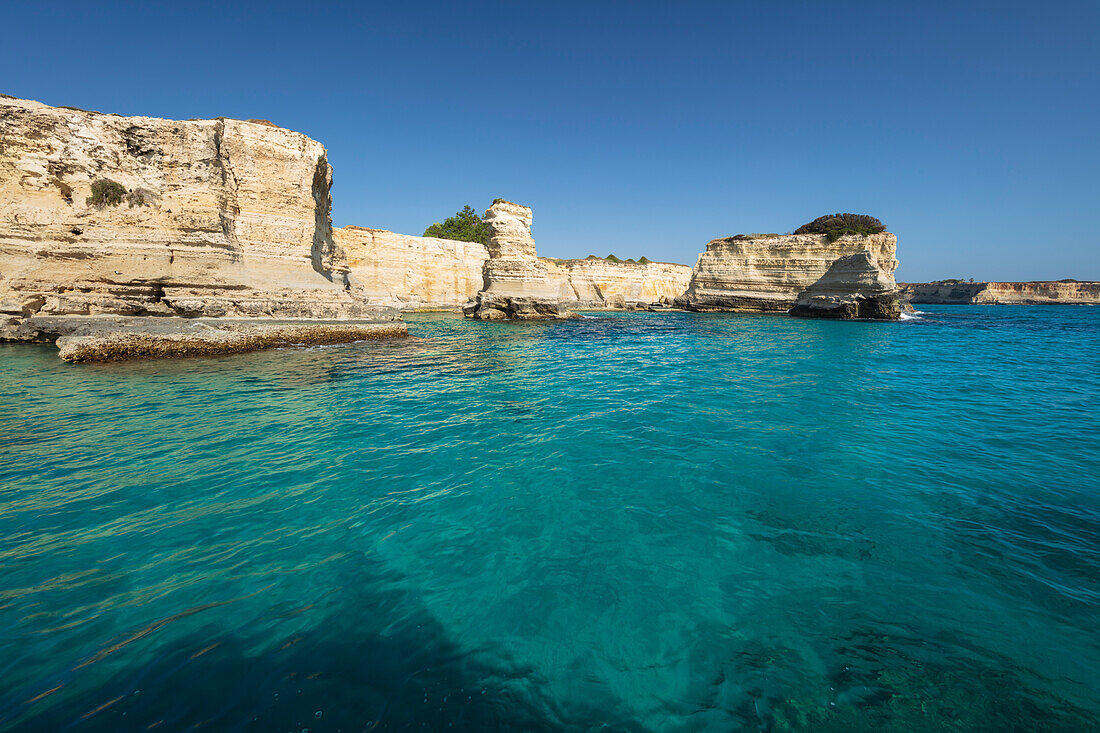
(128, 232)
(768, 272)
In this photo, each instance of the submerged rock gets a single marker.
(853, 287)
(517, 283)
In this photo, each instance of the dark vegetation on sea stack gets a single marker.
(464, 226)
(835, 226)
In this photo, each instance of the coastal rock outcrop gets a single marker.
(1039, 292)
(517, 284)
(138, 216)
(853, 287)
(767, 272)
(409, 272)
(597, 283)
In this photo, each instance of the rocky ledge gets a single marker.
(517, 284)
(854, 287)
(115, 338)
(160, 219)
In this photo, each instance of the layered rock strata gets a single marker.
(413, 272)
(853, 287)
(598, 283)
(517, 283)
(137, 216)
(1039, 292)
(768, 272)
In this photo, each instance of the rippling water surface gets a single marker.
(642, 522)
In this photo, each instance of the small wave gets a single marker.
(911, 316)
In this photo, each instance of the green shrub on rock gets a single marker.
(835, 226)
(106, 192)
(464, 226)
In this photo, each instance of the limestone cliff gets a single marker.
(767, 272)
(853, 287)
(598, 283)
(412, 272)
(1004, 293)
(202, 218)
(517, 283)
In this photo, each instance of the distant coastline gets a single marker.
(1034, 292)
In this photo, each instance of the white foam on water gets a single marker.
(911, 316)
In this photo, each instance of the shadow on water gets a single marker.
(366, 663)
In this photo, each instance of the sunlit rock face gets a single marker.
(216, 218)
(1038, 292)
(854, 287)
(767, 272)
(412, 272)
(598, 283)
(517, 284)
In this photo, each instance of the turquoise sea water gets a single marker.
(632, 522)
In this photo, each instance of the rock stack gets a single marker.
(853, 287)
(767, 272)
(517, 284)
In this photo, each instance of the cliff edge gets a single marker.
(104, 215)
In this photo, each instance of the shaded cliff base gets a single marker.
(1035, 292)
(116, 338)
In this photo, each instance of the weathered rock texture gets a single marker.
(1005, 293)
(597, 283)
(853, 287)
(113, 338)
(412, 272)
(767, 272)
(222, 218)
(517, 283)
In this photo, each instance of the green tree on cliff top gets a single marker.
(464, 226)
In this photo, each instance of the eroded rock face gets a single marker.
(767, 272)
(597, 283)
(853, 287)
(517, 284)
(1004, 293)
(409, 272)
(220, 218)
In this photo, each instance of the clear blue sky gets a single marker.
(971, 129)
